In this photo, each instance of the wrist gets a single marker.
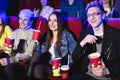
(8, 60)
(82, 43)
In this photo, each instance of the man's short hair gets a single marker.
(26, 13)
(95, 4)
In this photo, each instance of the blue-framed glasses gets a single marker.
(93, 15)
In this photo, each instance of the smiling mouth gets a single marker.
(93, 21)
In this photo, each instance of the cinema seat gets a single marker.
(13, 22)
(42, 22)
(75, 26)
(114, 22)
(56, 3)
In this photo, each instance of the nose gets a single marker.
(22, 21)
(52, 22)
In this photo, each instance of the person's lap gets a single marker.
(81, 77)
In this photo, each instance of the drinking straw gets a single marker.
(39, 25)
(68, 60)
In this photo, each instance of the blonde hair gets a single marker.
(26, 13)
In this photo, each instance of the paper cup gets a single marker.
(9, 42)
(56, 64)
(36, 35)
(94, 59)
(65, 71)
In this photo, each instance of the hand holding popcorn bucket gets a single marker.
(8, 44)
(56, 64)
(95, 59)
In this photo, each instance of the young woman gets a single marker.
(5, 31)
(57, 43)
(44, 9)
(111, 7)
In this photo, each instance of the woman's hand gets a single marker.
(2, 48)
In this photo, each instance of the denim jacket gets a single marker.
(68, 44)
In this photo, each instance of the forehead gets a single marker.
(53, 16)
(93, 10)
(24, 16)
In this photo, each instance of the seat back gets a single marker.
(56, 3)
(13, 22)
(114, 22)
(41, 24)
(75, 26)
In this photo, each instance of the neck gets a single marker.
(71, 2)
(54, 36)
(44, 6)
(106, 5)
(55, 33)
(98, 30)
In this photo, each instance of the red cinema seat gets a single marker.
(114, 22)
(75, 25)
(13, 22)
(56, 3)
(41, 24)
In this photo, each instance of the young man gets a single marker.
(23, 46)
(98, 38)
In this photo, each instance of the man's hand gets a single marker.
(97, 71)
(88, 39)
(100, 70)
(3, 61)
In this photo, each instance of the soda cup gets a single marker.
(65, 71)
(36, 35)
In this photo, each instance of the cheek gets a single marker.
(0, 28)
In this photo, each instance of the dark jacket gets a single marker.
(110, 51)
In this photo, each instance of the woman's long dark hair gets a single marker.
(61, 28)
(111, 3)
(3, 18)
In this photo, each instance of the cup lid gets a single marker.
(96, 54)
(56, 58)
(36, 30)
(65, 67)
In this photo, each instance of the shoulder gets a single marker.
(17, 30)
(49, 7)
(113, 32)
(7, 27)
(65, 32)
(112, 29)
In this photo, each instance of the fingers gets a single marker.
(3, 61)
(97, 71)
(88, 39)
